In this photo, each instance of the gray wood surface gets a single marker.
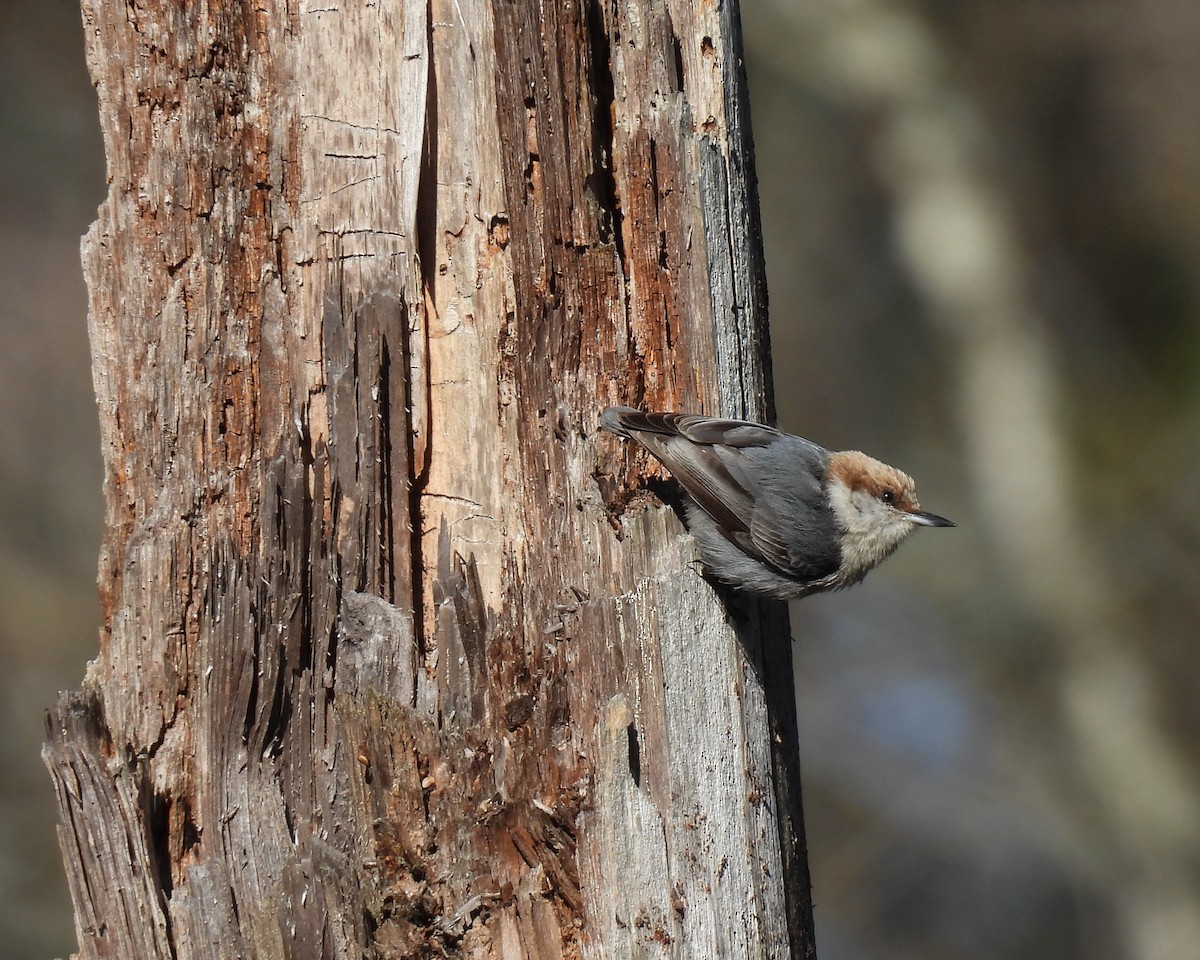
(399, 658)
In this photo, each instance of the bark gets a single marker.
(398, 657)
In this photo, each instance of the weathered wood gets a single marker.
(397, 659)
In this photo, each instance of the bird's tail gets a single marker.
(625, 422)
(614, 420)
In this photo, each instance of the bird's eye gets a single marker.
(888, 496)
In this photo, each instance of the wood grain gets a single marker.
(399, 658)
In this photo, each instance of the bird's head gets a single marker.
(876, 507)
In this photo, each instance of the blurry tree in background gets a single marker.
(983, 228)
(51, 179)
(983, 221)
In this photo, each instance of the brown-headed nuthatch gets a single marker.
(777, 514)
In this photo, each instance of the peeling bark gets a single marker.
(397, 658)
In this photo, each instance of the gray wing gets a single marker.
(762, 487)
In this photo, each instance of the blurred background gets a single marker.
(983, 245)
(51, 181)
(983, 251)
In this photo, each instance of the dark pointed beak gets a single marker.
(931, 519)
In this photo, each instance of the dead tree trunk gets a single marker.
(392, 663)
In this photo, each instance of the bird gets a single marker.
(775, 514)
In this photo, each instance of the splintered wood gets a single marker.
(387, 667)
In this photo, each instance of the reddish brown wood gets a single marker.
(397, 660)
